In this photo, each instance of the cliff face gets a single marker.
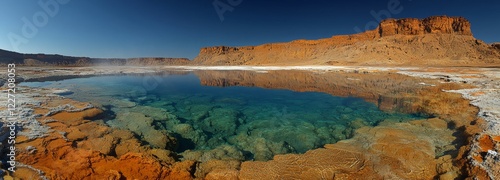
(431, 25)
(438, 40)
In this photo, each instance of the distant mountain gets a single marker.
(38, 59)
(433, 41)
(60, 60)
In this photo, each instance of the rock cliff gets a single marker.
(431, 25)
(438, 40)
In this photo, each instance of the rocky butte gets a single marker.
(436, 41)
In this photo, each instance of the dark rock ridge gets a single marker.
(148, 61)
(60, 60)
(38, 59)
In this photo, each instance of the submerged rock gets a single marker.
(221, 121)
(62, 92)
(397, 151)
(122, 103)
(260, 149)
(188, 132)
(143, 126)
(223, 152)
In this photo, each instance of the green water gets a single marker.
(176, 112)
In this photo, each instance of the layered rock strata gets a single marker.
(437, 41)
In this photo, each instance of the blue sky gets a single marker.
(179, 28)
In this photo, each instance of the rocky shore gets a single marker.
(61, 136)
(483, 156)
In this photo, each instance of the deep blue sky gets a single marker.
(179, 28)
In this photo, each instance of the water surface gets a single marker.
(225, 120)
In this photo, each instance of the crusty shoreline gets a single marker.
(486, 96)
(476, 147)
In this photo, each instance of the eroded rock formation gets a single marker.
(431, 25)
(439, 40)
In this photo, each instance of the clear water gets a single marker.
(222, 122)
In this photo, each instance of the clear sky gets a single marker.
(179, 28)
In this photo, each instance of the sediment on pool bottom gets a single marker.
(257, 123)
(108, 154)
(247, 129)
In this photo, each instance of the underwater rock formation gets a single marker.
(393, 151)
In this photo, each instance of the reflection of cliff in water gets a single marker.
(389, 91)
